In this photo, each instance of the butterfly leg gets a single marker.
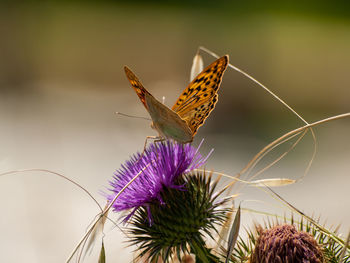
(145, 145)
(159, 139)
(147, 139)
(155, 138)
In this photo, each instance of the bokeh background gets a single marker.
(62, 79)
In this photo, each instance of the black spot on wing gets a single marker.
(200, 79)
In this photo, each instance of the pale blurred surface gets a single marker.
(61, 80)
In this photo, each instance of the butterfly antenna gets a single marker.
(132, 116)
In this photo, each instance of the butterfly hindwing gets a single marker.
(167, 122)
(199, 98)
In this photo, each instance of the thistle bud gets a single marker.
(284, 243)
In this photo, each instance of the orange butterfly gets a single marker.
(191, 108)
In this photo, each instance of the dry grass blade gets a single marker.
(272, 182)
(105, 211)
(270, 149)
(102, 257)
(197, 66)
(311, 220)
(97, 230)
(257, 82)
(277, 98)
(278, 141)
(233, 234)
(343, 253)
(57, 174)
(224, 230)
(287, 135)
(302, 134)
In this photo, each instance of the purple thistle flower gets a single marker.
(162, 164)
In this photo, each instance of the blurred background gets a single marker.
(62, 79)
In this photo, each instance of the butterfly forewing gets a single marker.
(137, 85)
(199, 98)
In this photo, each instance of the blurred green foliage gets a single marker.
(325, 8)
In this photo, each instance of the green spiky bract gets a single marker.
(331, 248)
(181, 225)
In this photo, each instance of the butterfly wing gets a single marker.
(199, 98)
(137, 85)
(168, 123)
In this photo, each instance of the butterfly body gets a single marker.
(192, 107)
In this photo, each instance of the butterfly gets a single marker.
(191, 109)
